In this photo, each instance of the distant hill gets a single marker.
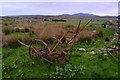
(87, 15)
(80, 14)
(76, 14)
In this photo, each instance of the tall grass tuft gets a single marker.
(12, 40)
(7, 30)
(87, 35)
(47, 32)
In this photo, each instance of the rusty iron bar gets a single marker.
(79, 30)
(58, 42)
(33, 47)
(23, 43)
(117, 40)
(76, 35)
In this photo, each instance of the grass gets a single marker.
(12, 39)
(21, 60)
(49, 31)
(17, 63)
(96, 65)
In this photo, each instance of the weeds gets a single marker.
(68, 71)
(7, 30)
(87, 35)
(47, 33)
(12, 40)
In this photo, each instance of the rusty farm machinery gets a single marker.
(116, 48)
(52, 55)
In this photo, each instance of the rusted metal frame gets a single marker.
(62, 45)
(117, 41)
(116, 49)
(47, 57)
(111, 54)
(35, 49)
(30, 47)
(62, 53)
(76, 33)
(59, 41)
(51, 55)
(23, 43)
(74, 38)
(69, 40)
(46, 46)
(78, 30)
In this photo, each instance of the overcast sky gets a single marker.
(57, 8)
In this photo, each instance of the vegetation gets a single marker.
(16, 62)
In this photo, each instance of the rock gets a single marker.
(103, 50)
(105, 54)
(82, 49)
(92, 52)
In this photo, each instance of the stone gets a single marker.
(92, 52)
(82, 49)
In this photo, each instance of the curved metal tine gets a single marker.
(32, 47)
(46, 46)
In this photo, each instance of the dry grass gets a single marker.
(12, 40)
(7, 30)
(1, 34)
(87, 35)
(47, 32)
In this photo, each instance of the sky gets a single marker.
(58, 8)
(59, 0)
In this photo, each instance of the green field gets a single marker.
(16, 62)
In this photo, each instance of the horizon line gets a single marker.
(58, 14)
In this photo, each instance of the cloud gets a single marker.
(55, 8)
(14, 5)
(59, 0)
